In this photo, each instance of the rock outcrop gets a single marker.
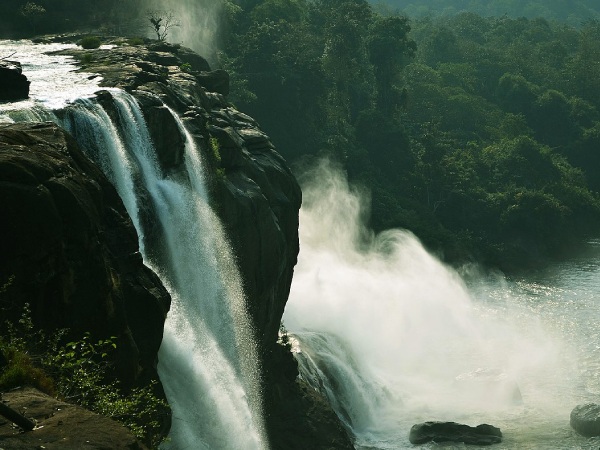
(483, 434)
(13, 84)
(255, 194)
(61, 426)
(70, 250)
(585, 419)
(256, 197)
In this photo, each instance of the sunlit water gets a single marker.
(395, 338)
(54, 82)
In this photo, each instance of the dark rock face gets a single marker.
(13, 84)
(454, 432)
(585, 419)
(215, 81)
(297, 416)
(257, 199)
(61, 426)
(72, 251)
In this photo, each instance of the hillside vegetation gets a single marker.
(478, 134)
(573, 11)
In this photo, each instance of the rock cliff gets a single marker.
(71, 250)
(253, 191)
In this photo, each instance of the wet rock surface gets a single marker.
(71, 250)
(585, 419)
(454, 432)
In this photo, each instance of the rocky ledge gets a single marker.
(61, 426)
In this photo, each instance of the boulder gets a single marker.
(13, 84)
(585, 419)
(454, 432)
(215, 81)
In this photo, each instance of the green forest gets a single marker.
(478, 134)
(478, 131)
(574, 11)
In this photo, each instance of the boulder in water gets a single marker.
(483, 434)
(13, 84)
(585, 419)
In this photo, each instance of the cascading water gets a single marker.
(393, 338)
(207, 361)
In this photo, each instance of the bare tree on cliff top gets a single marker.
(161, 22)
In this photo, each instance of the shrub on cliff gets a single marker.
(76, 371)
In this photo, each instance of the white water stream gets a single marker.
(207, 361)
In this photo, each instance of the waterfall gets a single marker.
(392, 337)
(207, 361)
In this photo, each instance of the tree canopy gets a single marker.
(468, 130)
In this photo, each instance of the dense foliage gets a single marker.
(572, 11)
(79, 372)
(478, 134)
(22, 18)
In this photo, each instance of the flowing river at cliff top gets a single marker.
(395, 338)
(54, 82)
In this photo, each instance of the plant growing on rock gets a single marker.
(215, 156)
(284, 337)
(77, 371)
(90, 42)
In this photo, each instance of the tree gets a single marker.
(161, 22)
(389, 51)
(32, 12)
